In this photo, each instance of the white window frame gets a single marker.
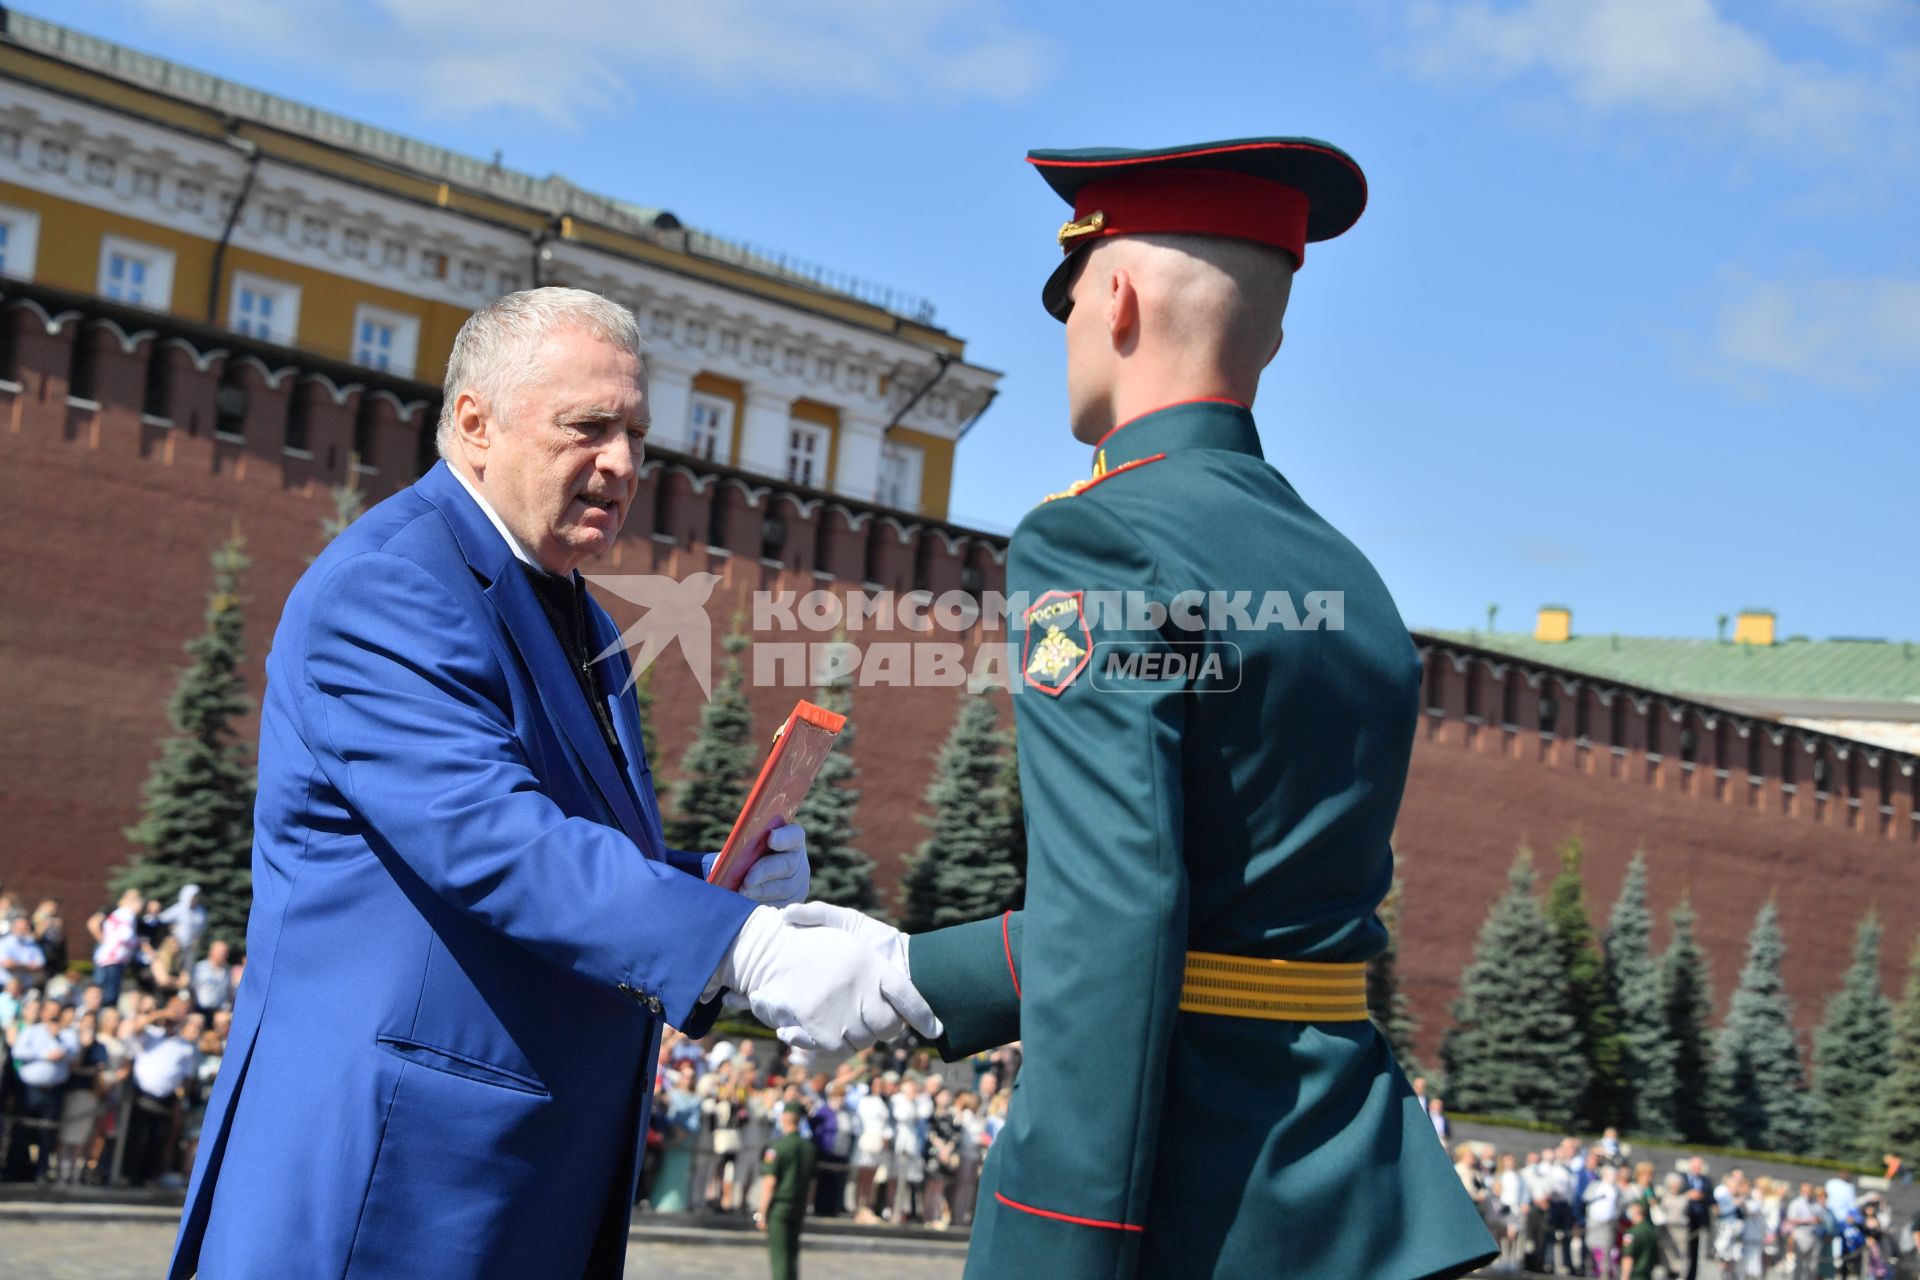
(23, 242)
(901, 492)
(158, 290)
(814, 459)
(406, 338)
(721, 447)
(286, 305)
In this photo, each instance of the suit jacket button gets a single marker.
(654, 1006)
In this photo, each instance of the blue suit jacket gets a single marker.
(466, 932)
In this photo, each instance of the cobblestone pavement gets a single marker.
(138, 1251)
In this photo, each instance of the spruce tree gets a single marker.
(965, 870)
(1385, 1001)
(1896, 1120)
(1515, 1047)
(1686, 1002)
(842, 874)
(1758, 1079)
(719, 764)
(1633, 980)
(1586, 978)
(1850, 1054)
(196, 819)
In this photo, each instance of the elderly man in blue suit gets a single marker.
(467, 930)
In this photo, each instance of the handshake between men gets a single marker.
(821, 976)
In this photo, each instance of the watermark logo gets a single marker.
(1198, 666)
(1057, 638)
(676, 613)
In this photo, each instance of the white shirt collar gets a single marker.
(486, 508)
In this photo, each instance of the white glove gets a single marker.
(782, 875)
(883, 939)
(820, 988)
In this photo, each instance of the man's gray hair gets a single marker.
(495, 353)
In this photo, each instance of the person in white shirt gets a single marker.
(43, 1057)
(1602, 1213)
(187, 919)
(1802, 1227)
(116, 937)
(212, 981)
(163, 1062)
(874, 1144)
(20, 955)
(909, 1150)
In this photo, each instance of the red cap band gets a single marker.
(1204, 202)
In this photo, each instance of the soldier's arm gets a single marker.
(1105, 928)
(970, 975)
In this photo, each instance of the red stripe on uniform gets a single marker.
(1007, 942)
(1065, 1217)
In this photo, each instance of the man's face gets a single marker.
(562, 457)
(190, 1029)
(217, 953)
(21, 927)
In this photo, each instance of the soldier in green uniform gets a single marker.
(1216, 709)
(786, 1179)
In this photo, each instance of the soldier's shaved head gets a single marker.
(1158, 318)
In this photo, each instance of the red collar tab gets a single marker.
(1203, 202)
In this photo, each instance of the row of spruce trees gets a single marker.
(1554, 1023)
(1557, 1025)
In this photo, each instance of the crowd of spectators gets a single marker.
(108, 1068)
(1574, 1209)
(108, 1065)
(899, 1141)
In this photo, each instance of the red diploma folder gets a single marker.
(798, 751)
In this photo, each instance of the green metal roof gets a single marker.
(1858, 671)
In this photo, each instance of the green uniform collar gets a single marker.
(1190, 424)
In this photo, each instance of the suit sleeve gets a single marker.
(406, 708)
(1105, 928)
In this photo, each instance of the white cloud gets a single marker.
(1683, 62)
(568, 60)
(1849, 333)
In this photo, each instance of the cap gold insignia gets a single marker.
(1095, 221)
(1054, 656)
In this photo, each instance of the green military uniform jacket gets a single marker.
(789, 1160)
(1243, 807)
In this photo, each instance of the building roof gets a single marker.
(553, 193)
(1867, 679)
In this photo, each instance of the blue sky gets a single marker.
(1632, 321)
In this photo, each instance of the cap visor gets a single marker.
(1057, 294)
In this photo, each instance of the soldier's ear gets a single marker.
(1123, 309)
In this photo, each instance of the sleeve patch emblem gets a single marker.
(1057, 643)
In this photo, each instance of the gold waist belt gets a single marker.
(1276, 990)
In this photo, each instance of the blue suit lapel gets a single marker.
(527, 627)
(613, 675)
